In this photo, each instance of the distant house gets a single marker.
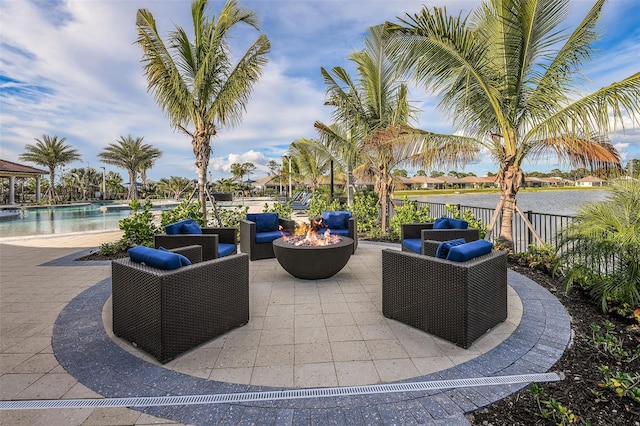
(11, 170)
(590, 181)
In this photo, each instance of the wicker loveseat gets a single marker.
(258, 231)
(413, 235)
(167, 312)
(457, 301)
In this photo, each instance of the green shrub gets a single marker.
(184, 210)
(320, 203)
(543, 258)
(230, 217)
(408, 212)
(283, 210)
(367, 213)
(139, 228)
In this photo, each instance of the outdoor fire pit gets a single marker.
(312, 262)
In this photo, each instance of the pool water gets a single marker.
(62, 220)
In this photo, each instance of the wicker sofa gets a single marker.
(251, 241)
(215, 242)
(418, 233)
(168, 312)
(457, 301)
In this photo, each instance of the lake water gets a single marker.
(558, 202)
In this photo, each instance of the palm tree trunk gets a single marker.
(133, 190)
(52, 189)
(350, 184)
(202, 151)
(510, 178)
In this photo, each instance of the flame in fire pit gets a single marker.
(308, 235)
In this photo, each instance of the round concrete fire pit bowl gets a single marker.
(313, 262)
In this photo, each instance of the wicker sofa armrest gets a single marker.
(353, 232)
(413, 230)
(458, 301)
(226, 235)
(209, 243)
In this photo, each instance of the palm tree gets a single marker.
(310, 162)
(130, 154)
(509, 76)
(175, 185)
(337, 141)
(237, 171)
(377, 113)
(196, 83)
(602, 247)
(50, 152)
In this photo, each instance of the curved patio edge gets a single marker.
(83, 347)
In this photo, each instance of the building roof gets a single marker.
(9, 168)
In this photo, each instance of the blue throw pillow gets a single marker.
(175, 228)
(190, 228)
(443, 248)
(184, 260)
(156, 258)
(469, 251)
(442, 223)
(265, 222)
(458, 224)
(335, 220)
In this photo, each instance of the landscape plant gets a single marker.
(185, 210)
(407, 212)
(468, 217)
(601, 247)
(365, 209)
(319, 203)
(283, 209)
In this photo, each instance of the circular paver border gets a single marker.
(84, 348)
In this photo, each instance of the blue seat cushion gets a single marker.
(413, 244)
(338, 219)
(157, 258)
(265, 222)
(225, 249)
(190, 228)
(443, 248)
(184, 260)
(267, 237)
(176, 228)
(469, 251)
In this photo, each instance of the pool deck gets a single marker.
(56, 344)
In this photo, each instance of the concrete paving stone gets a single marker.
(343, 333)
(313, 375)
(356, 373)
(350, 351)
(391, 370)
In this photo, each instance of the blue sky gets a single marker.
(72, 69)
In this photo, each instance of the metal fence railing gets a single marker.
(546, 225)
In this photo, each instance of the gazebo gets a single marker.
(12, 170)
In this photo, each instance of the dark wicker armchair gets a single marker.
(261, 250)
(421, 232)
(168, 312)
(457, 301)
(215, 242)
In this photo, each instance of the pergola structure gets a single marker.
(11, 170)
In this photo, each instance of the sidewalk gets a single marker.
(301, 335)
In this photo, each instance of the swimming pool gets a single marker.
(64, 219)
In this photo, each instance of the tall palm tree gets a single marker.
(130, 154)
(195, 83)
(377, 111)
(509, 76)
(50, 152)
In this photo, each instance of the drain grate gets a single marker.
(277, 395)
